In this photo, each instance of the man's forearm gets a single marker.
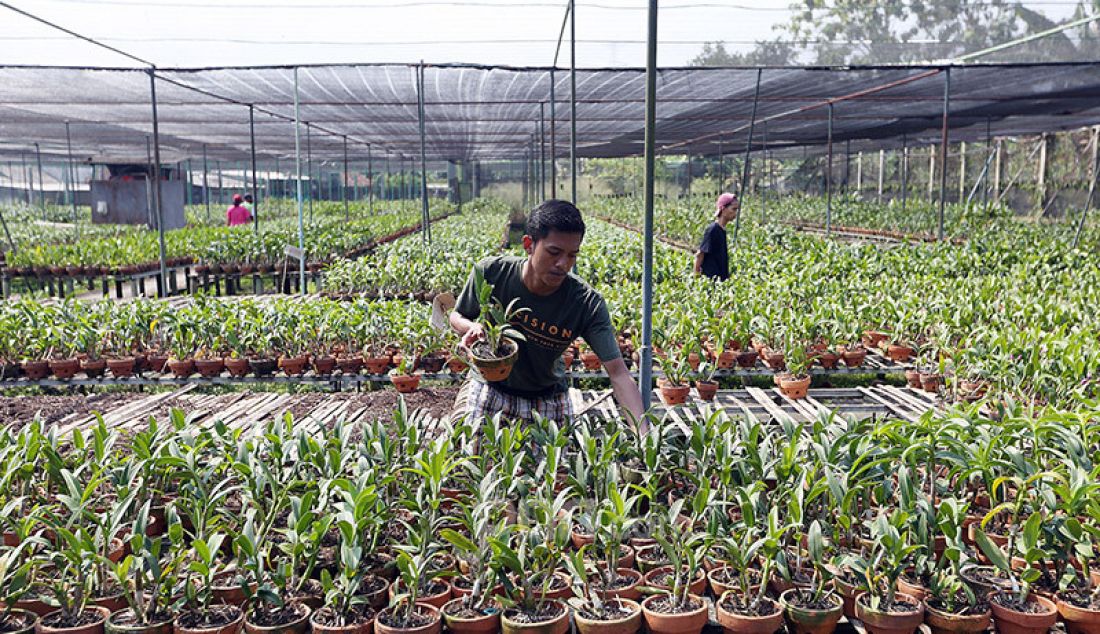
(459, 323)
(698, 262)
(627, 394)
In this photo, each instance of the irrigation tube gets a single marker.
(645, 376)
(156, 183)
(298, 169)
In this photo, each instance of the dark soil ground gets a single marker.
(17, 411)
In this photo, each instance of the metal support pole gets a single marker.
(645, 369)
(542, 150)
(309, 168)
(859, 172)
(962, 169)
(931, 172)
(881, 172)
(427, 230)
(904, 170)
(298, 171)
(573, 98)
(748, 152)
(156, 184)
(1092, 185)
(344, 189)
(218, 164)
(829, 176)
(1044, 144)
(28, 178)
(255, 190)
(370, 180)
(943, 149)
(206, 182)
(847, 163)
(553, 141)
(41, 183)
(72, 178)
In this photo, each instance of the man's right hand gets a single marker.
(474, 333)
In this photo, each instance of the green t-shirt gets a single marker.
(551, 324)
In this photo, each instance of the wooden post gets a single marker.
(859, 172)
(881, 172)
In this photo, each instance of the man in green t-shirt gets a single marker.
(560, 307)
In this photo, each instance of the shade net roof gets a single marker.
(482, 113)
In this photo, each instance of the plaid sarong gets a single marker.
(479, 400)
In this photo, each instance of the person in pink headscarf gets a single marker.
(238, 214)
(712, 257)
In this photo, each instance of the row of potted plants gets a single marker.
(956, 521)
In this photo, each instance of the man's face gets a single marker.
(729, 212)
(552, 257)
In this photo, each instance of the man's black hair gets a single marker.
(554, 215)
(248, 197)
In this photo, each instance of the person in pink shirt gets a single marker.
(238, 214)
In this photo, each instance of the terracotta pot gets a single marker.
(64, 368)
(565, 590)
(111, 627)
(630, 592)
(366, 627)
(556, 625)
(456, 365)
(801, 620)
(828, 359)
(293, 366)
(262, 366)
(878, 622)
(872, 338)
(430, 364)
(93, 369)
(181, 368)
(436, 600)
(735, 623)
(1079, 620)
(698, 585)
(349, 365)
(795, 388)
(775, 360)
(209, 368)
(227, 592)
(854, 358)
(232, 627)
(706, 389)
(376, 365)
(946, 623)
(405, 383)
(674, 395)
(121, 367)
(112, 604)
(483, 624)
(914, 590)
(726, 360)
(236, 367)
(716, 579)
(691, 622)
(497, 369)
(156, 362)
(299, 625)
(434, 627)
(591, 361)
(747, 358)
(36, 370)
(626, 625)
(323, 365)
(931, 382)
(95, 627)
(899, 353)
(912, 377)
(37, 606)
(29, 621)
(580, 540)
(1008, 621)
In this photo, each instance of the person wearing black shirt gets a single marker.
(712, 258)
